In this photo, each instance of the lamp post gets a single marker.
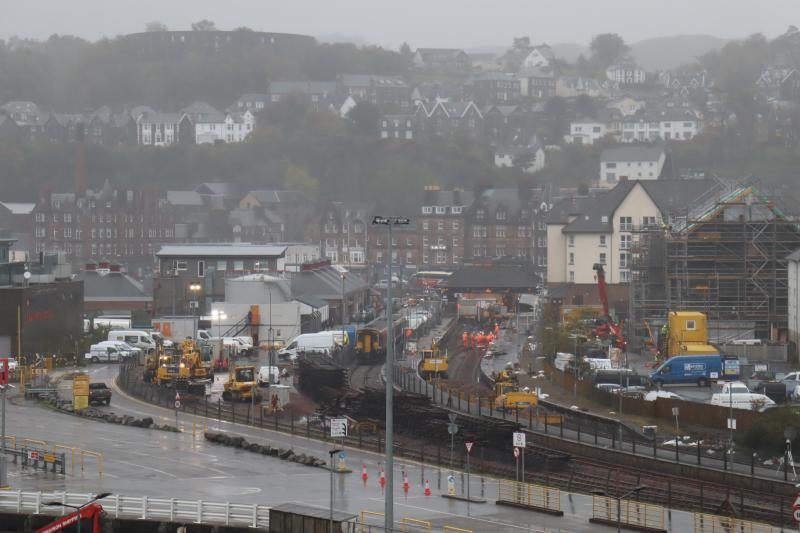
(619, 499)
(344, 309)
(219, 316)
(390, 222)
(79, 507)
(332, 454)
(194, 288)
(272, 365)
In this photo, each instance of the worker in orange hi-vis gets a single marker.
(465, 339)
(497, 329)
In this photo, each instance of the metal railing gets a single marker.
(529, 495)
(632, 513)
(142, 508)
(709, 523)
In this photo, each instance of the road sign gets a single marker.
(49, 458)
(177, 396)
(33, 456)
(731, 423)
(516, 452)
(338, 427)
(468, 445)
(452, 429)
(519, 439)
(177, 404)
(796, 515)
(674, 411)
(452, 417)
(796, 504)
(80, 385)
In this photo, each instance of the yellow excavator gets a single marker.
(241, 384)
(508, 395)
(433, 364)
(183, 371)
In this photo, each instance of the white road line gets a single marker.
(135, 465)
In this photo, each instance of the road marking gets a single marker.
(145, 467)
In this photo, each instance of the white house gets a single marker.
(507, 155)
(667, 125)
(626, 74)
(603, 229)
(570, 87)
(630, 163)
(585, 131)
(540, 57)
(794, 297)
(161, 129)
(232, 128)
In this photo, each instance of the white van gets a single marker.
(138, 338)
(321, 342)
(109, 352)
(264, 374)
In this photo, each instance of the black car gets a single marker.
(99, 393)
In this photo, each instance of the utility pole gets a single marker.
(389, 501)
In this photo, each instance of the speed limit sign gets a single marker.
(177, 404)
(796, 515)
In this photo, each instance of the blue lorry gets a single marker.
(699, 369)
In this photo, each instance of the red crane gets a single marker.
(608, 326)
(92, 511)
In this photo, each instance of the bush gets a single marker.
(767, 434)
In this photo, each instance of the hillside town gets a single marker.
(388, 257)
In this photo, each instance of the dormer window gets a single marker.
(480, 214)
(440, 210)
(427, 210)
(456, 209)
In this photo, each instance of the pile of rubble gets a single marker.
(320, 378)
(235, 441)
(65, 406)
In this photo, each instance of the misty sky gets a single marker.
(463, 23)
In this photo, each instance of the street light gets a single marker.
(332, 454)
(3, 463)
(195, 287)
(635, 490)
(219, 316)
(344, 310)
(388, 512)
(79, 507)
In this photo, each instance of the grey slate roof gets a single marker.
(326, 283)
(204, 113)
(184, 198)
(302, 87)
(448, 198)
(221, 250)
(631, 153)
(369, 80)
(563, 210)
(277, 196)
(497, 276)
(112, 287)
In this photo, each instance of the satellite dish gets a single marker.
(27, 275)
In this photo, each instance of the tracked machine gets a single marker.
(432, 363)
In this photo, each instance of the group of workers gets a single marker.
(478, 338)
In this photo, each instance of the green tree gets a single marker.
(155, 26)
(204, 25)
(607, 48)
(364, 117)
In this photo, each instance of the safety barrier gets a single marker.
(142, 508)
(363, 526)
(407, 523)
(531, 496)
(633, 515)
(448, 529)
(48, 449)
(98, 458)
(709, 523)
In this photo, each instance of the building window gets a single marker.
(624, 276)
(520, 231)
(623, 260)
(500, 232)
(201, 269)
(500, 251)
(427, 210)
(455, 225)
(602, 240)
(40, 217)
(501, 215)
(571, 276)
(602, 258)
(625, 242)
(425, 225)
(480, 214)
(571, 258)
(625, 223)
(440, 210)
(456, 209)
(648, 221)
(238, 265)
(179, 266)
(440, 225)
(571, 240)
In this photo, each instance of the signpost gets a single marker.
(468, 445)
(177, 406)
(80, 392)
(452, 429)
(516, 458)
(519, 445)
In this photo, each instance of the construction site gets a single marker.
(724, 255)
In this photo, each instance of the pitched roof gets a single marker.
(114, 286)
(632, 153)
(221, 250)
(184, 198)
(302, 87)
(368, 80)
(493, 199)
(561, 212)
(326, 283)
(794, 256)
(269, 196)
(18, 208)
(203, 112)
(448, 197)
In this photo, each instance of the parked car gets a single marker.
(608, 387)
(792, 382)
(99, 393)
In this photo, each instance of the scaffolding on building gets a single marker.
(724, 255)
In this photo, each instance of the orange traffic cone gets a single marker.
(405, 483)
(427, 488)
(382, 479)
(364, 475)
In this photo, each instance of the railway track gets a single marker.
(366, 377)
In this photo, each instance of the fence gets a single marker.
(708, 523)
(372, 522)
(632, 514)
(51, 453)
(536, 497)
(141, 508)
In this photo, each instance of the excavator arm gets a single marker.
(601, 288)
(92, 511)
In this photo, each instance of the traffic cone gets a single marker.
(382, 479)
(427, 488)
(405, 483)
(364, 475)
